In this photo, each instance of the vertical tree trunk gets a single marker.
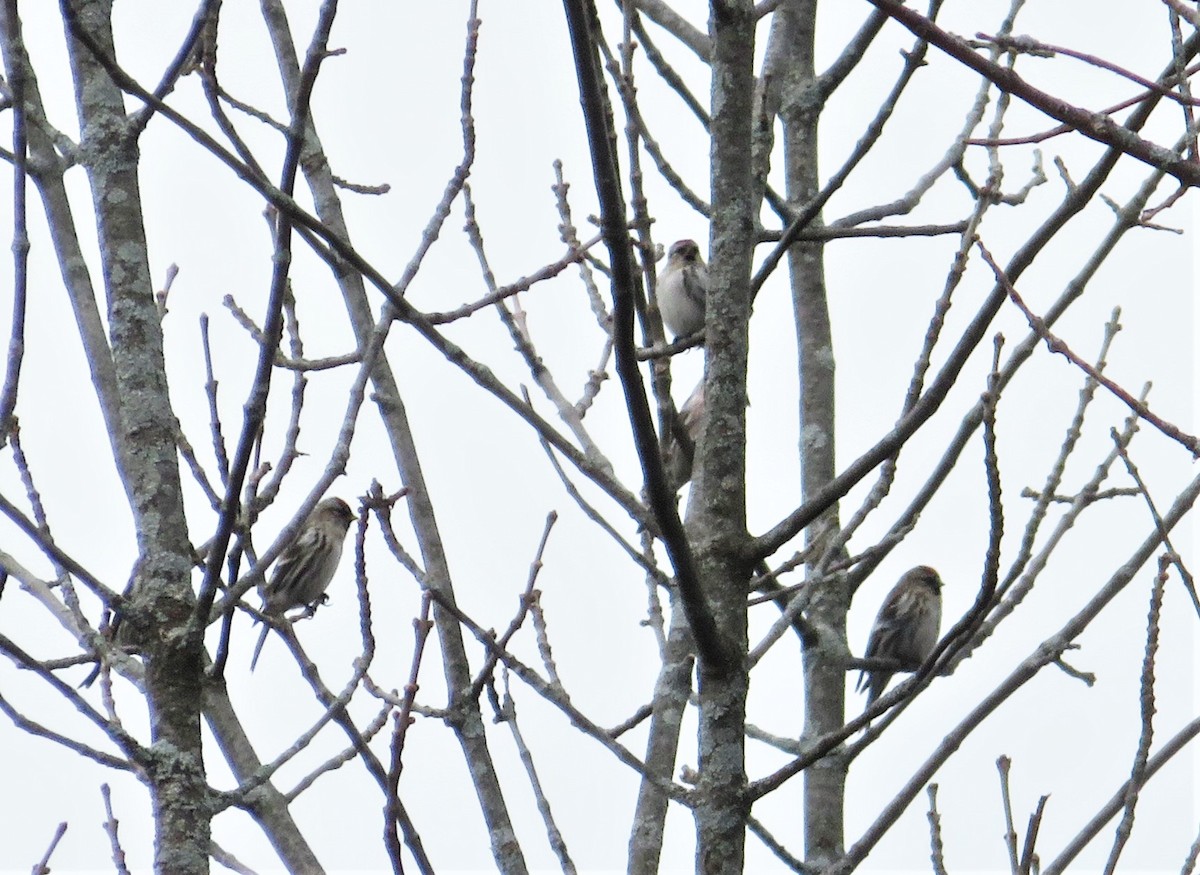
(161, 602)
(824, 677)
(717, 509)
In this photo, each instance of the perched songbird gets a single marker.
(681, 289)
(681, 440)
(906, 628)
(691, 414)
(305, 568)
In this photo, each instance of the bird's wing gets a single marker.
(889, 622)
(295, 568)
(695, 284)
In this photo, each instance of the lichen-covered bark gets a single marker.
(47, 169)
(161, 601)
(717, 508)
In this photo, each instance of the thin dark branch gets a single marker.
(913, 60)
(1055, 344)
(1095, 126)
(1029, 45)
(775, 846)
(520, 285)
(1137, 772)
(555, 697)
(56, 555)
(1044, 654)
(20, 232)
(661, 497)
(42, 867)
(1078, 196)
(403, 718)
(1004, 766)
(1176, 558)
(1028, 852)
(1166, 753)
(256, 404)
(204, 28)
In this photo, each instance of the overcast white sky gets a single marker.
(388, 113)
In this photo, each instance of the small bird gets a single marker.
(680, 451)
(306, 567)
(906, 628)
(691, 414)
(682, 289)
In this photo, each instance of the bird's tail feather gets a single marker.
(262, 638)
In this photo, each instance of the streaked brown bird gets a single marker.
(906, 628)
(306, 567)
(682, 289)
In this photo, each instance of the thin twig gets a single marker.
(42, 867)
(1096, 126)
(1137, 773)
(1004, 765)
(110, 828)
(1055, 344)
(20, 233)
(1174, 555)
(421, 626)
(553, 834)
(937, 850)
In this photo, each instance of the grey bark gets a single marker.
(267, 805)
(161, 603)
(467, 721)
(824, 676)
(717, 508)
(670, 701)
(46, 168)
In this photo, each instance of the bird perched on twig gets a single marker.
(906, 628)
(682, 289)
(306, 567)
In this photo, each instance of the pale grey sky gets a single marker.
(388, 113)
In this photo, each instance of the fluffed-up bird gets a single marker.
(906, 628)
(682, 288)
(306, 567)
